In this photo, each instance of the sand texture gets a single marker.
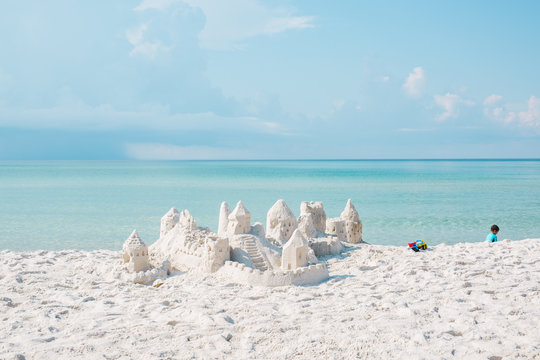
(466, 301)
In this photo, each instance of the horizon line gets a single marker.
(300, 159)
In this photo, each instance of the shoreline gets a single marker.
(404, 245)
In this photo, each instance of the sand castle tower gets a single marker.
(135, 253)
(168, 221)
(352, 223)
(224, 213)
(239, 220)
(217, 252)
(317, 210)
(295, 252)
(307, 226)
(186, 220)
(280, 222)
(336, 227)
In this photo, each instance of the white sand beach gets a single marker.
(466, 301)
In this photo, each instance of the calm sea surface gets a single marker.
(94, 204)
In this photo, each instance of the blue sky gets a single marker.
(253, 79)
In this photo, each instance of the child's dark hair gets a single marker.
(494, 228)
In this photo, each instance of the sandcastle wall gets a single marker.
(184, 258)
(240, 273)
(187, 247)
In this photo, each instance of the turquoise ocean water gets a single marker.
(95, 204)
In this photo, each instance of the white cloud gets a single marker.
(136, 38)
(497, 112)
(451, 104)
(157, 151)
(510, 117)
(415, 83)
(230, 22)
(531, 117)
(385, 78)
(280, 24)
(492, 99)
(510, 114)
(136, 35)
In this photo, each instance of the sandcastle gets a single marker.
(287, 253)
(136, 261)
(135, 253)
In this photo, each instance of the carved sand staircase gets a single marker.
(258, 260)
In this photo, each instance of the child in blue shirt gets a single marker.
(492, 236)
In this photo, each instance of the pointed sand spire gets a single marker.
(350, 212)
(168, 221)
(280, 222)
(224, 213)
(353, 224)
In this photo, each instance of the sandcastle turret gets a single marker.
(239, 220)
(217, 252)
(317, 210)
(135, 253)
(352, 223)
(307, 226)
(224, 213)
(295, 252)
(168, 221)
(336, 227)
(186, 220)
(280, 222)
